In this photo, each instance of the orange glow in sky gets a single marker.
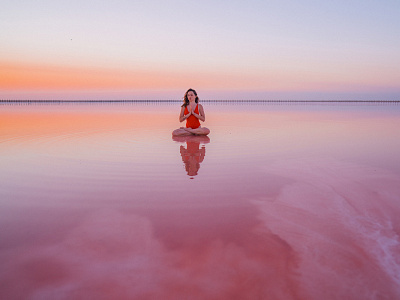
(20, 76)
(261, 50)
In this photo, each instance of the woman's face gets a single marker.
(191, 96)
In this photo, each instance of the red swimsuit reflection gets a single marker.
(192, 155)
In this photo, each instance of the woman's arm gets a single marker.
(182, 116)
(201, 116)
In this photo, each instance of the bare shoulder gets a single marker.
(200, 106)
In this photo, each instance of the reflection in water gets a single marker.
(192, 155)
(89, 212)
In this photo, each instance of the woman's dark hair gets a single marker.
(186, 100)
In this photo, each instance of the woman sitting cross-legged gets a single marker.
(193, 113)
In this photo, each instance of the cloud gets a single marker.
(341, 219)
(113, 254)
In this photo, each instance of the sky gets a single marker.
(311, 50)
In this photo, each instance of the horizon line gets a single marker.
(170, 101)
(205, 100)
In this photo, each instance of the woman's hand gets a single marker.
(182, 116)
(192, 109)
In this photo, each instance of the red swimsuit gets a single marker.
(192, 121)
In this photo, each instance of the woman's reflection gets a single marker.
(192, 155)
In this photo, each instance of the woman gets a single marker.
(193, 113)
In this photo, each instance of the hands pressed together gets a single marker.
(191, 112)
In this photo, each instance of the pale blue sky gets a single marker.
(262, 47)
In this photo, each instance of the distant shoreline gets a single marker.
(204, 101)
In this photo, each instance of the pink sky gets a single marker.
(157, 51)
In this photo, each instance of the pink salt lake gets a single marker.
(279, 202)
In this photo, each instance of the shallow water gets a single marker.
(279, 202)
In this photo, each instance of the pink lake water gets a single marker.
(279, 202)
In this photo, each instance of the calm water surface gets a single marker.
(279, 202)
